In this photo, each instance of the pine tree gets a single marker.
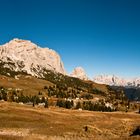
(68, 104)
(46, 104)
(78, 105)
(43, 100)
(33, 104)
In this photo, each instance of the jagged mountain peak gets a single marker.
(80, 73)
(20, 44)
(17, 40)
(117, 81)
(17, 43)
(110, 80)
(27, 56)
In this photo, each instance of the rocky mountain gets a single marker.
(117, 81)
(135, 82)
(110, 80)
(24, 56)
(80, 73)
(21, 57)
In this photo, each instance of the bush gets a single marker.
(78, 105)
(46, 104)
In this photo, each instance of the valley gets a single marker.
(69, 70)
(39, 100)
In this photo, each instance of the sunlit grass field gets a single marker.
(25, 122)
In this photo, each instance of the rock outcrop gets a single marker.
(110, 80)
(22, 55)
(80, 73)
(117, 81)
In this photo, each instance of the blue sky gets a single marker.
(102, 36)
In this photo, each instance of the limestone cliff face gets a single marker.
(23, 55)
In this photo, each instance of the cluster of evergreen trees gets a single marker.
(3, 94)
(65, 92)
(85, 105)
(64, 103)
(59, 92)
(12, 96)
(66, 81)
(117, 93)
(98, 106)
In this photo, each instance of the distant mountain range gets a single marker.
(23, 56)
(117, 81)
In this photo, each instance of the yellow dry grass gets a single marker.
(29, 84)
(25, 122)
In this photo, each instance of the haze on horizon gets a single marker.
(101, 36)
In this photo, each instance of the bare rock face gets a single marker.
(110, 80)
(135, 82)
(80, 73)
(23, 55)
(117, 81)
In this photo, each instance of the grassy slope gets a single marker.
(32, 85)
(24, 122)
(29, 84)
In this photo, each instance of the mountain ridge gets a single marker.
(23, 55)
(113, 80)
(80, 73)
